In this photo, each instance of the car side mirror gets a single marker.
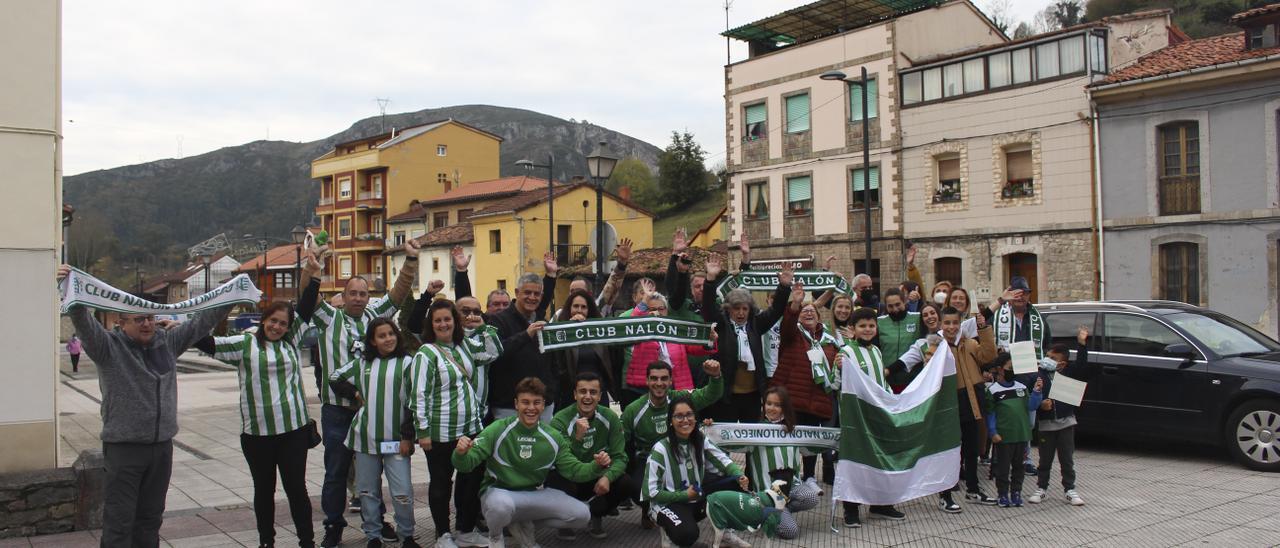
(1179, 350)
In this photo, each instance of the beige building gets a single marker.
(997, 177)
(30, 231)
(794, 140)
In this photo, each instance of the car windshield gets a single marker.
(1224, 336)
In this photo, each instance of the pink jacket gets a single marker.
(73, 346)
(642, 354)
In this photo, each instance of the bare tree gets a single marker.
(1000, 12)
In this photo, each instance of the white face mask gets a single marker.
(940, 297)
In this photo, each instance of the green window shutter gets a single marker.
(855, 100)
(757, 113)
(798, 113)
(858, 178)
(799, 189)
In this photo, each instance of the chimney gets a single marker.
(625, 193)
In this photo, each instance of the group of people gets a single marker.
(517, 438)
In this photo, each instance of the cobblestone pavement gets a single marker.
(1136, 495)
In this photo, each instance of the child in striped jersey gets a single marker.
(446, 408)
(767, 464)
(860, 351)
(381, 435)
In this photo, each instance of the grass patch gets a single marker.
(692, 218)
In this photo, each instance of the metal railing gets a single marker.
(326, 201)
(573, 255)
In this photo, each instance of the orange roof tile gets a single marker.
(533, 197)
(415, 213)
(281, 256)
(1249, 14)
(487, 190)
(1205, 52)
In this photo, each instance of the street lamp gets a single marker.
(600, 164)
(299, 235)
(866, 155)
(206, 259)
(550, 166)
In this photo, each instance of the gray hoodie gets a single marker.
(139, 383)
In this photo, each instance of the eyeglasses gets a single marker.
(469, 312)
(683, 416)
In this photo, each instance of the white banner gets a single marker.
(81, 289)
(811, 440)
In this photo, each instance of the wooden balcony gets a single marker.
(1180, 195)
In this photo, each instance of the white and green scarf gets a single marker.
(821, 369)
(628, 330)
(767, 280)
(81, 289)
(1004, 328)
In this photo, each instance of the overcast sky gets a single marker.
(150, 79)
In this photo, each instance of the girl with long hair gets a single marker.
(603, 360)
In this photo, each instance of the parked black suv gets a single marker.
(1178, 372)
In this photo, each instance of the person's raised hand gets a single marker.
(63, 272)
(549, 262)
(1039, 384)
(683, 262)
(713, 266)
(911, 255)
(435, 287)
(788, 273)
(1011, 294)
(649, 287)
(914, 296)
(679, 241)
(412, 247)
(744, 482)
(711, 367)
(460, 260)
(980, 320)
(797, 293)
(744, 245)
(623, 250)
(826, 265)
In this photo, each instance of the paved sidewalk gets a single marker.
(1155, 496)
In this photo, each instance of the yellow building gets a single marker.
(715, 230)
(510, 235)
(362, 180)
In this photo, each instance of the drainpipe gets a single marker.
(1094, 136)
(520, 270)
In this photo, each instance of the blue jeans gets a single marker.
(335, 422)
(369, 472)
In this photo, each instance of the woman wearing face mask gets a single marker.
(275, 427)
(805, 361)
(381, 379)
(940, 292)
(596, 358)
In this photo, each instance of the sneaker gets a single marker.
(373, 543)
(332, 536)
(1003, 502)
(851, 520)
(446, 541)
(473, 539)
(523, 534)
(496, 540)
(812, 483)
(732, 540)
(1016, 499)
(1036, 496)
(948, 504)
(887, 512)
(1074, 498)
(984, 461)
(626, 505)
(567, 535)
(596, 528)
(409, 542)
(388, 533)
(979, 497)
(1030, 469)
(354, 505)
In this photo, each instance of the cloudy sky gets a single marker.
(151, 79)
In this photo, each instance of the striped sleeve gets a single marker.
(323, 315)
(485, 346)
(423, 388)
(720, 459)
(382, 307)
(348, 372)
(229, 349)
(296, 329)
(653, 473)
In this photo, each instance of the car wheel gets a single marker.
(1253, 435)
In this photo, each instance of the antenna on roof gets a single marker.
(382, 111)
(727, 4)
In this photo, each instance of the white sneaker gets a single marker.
(471, 540)
(1074, 498)
(446, 541)
(496, 540)
(815, 486)
(1036, 497)
(523, 534)
(732, 540)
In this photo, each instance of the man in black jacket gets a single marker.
(742, 361)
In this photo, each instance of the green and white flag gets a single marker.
(630, 330)
(81, 289)
(811, 440)
(898, 447)
(767, 280)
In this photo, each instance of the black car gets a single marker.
(1177, 372)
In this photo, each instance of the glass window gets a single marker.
(344, 267)
(855, 100)
(344, 227)
(974, 79)
(1022, 66)
(440, 219)
(398, 238)
(1223, 335)
(1180, 272)
(998, 70)
(798, 113)
(1137, 335)
(799, 195)
(1063, 326)
(442, 150)
(757, 200)
(859, 179)
(952, 80)
(911, 92)
(948, 180)
(1071, 54)
(1047, 60)
(1179, 154)
(1098, 53)
(344, 187)
(932, 84)
(756, 117)
(495, 241)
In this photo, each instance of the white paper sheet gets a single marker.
(1067, 390)
(1023, 355)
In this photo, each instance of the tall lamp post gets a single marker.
(550, 166)
(600, 164)
(299, 235)
(866, 155)
(206, 259)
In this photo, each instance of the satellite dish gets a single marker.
(610, 242)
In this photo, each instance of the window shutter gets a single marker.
(756, 113)
(948, 169)
(799, 189)
(859, 176)
(1017, 165)
(798, 113)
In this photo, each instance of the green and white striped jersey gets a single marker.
(446, 403)
(486, 345)
(762, 459)
(271, 400)
(666, 479)
(868, 358)
(386, 384)
(340, 339)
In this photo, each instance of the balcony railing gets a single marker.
(1180, 195)
(326, 201)
(573, 255)
(369, 196)
(948, 191)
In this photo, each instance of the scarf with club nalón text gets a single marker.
(81, 289)
(767, 280)
(628, 330)
(1004, 328)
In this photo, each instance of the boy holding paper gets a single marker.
(1057, 420)
(1008, 404)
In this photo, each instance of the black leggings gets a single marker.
(287, 453)
(466, 494)
(680, 520)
